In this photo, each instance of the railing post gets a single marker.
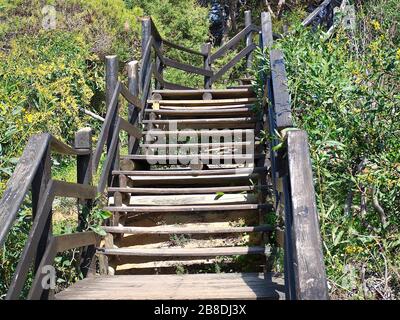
(249, 41)
(146, 34)
(83, 140)
(111, 83)
(133, 86)
(206, 51)
(39, 185)
(266, 30)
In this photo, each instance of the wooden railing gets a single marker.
(323, 14)
(153, 43)
(33, 172)
(292, 177)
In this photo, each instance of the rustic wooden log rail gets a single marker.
(292, 177)
(153, 42)
(291, 169)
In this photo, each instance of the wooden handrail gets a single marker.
(233, 42)
(307, 21)
(232, 63)
(305, 276)
(182, 48)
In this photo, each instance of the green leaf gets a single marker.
(278, 147)
(219, 195)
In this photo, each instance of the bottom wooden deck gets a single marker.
(177, 287)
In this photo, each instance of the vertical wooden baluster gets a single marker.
(83, 140)
(146, 34)
(111, 83)
(39, 185)
(249, 42)
(206, 50)
(133, 112)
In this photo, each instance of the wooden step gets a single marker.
(188, 209)
(185, 252)
(212, 133)
(187, 159)
(190, 180)
(207, 123)
(204, 102)
(185, 172)
(217, 286)
(188, 190)
(200, 112)
(195, 199)
(206, 108)
(198, 94)
(183, 229)
(204, 147)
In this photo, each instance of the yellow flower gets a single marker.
(398, 54)
(29, 118)
(376, 25)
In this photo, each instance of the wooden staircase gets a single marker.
(202, 202)
(207, 206)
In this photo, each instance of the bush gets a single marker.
(345, 95)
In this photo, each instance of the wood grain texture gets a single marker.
(281, 96)
(310, 276)
(177, 287)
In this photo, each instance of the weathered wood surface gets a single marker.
(206, 123)
(245, 52)
(195, 199)
(105, 129)
(178, 287)
(204, 102)
(186, 190)
(266, 30)
(233, 42)
(20, 182)
(187, 180)
(216, 93)
(75, 240)
(183, 229)
(187, 67)
(203, 146)
(281, 96)
(186, 159)
(188, 209)
(309, 268)
(186, 252)
(307, 21)
(182, 48)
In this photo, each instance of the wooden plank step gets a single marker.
(206, 123)
(216, 286)
(203, 146)
(200, 112)
(204, 102)
(185, 252)
(195, 199)
(185, 172)
(211, 133)
(191, 229)
(192, 208)
(187, 190)
(186, 159)
(188, 180)
(198, 94)
(207, 108)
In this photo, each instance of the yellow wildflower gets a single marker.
(398, 54)
(29, 118)
(376, 25)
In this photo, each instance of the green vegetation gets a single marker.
(345, 94)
